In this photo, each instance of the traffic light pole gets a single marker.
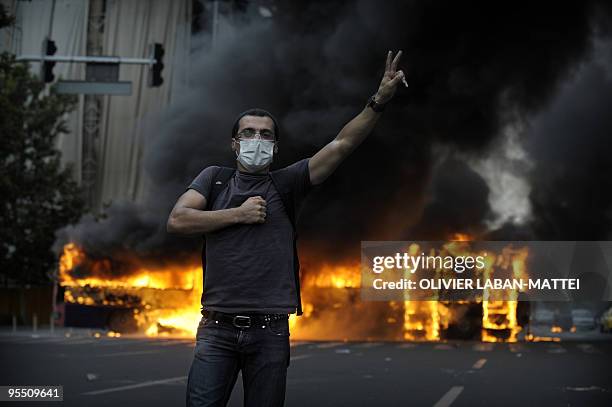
(51, 19)
(48, 59)
(85, 59)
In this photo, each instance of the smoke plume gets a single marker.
(474, 69)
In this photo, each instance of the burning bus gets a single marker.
(129, 297)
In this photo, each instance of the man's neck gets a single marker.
(241, 168)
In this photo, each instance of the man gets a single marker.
(251, 280)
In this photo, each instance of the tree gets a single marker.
(39, 196)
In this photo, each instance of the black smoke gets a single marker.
(314, 65)
(571, 144)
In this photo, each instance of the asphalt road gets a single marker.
(152, 372)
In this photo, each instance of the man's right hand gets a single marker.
(253, 210)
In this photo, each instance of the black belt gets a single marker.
(243, 320)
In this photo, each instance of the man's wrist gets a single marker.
(236, 215)
(378, 99)
(375, 103)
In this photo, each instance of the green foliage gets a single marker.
(38, 194)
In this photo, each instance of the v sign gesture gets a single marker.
(391, 79)
(327, 159)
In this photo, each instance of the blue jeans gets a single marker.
(222, 350)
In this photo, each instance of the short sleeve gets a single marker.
(301, 175)
(203, 181)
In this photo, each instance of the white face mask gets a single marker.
(255, 154)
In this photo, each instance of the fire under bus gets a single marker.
(166, 301)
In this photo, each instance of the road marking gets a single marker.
(131, 341)
(329, 345)
(135, 386)
(79, 341)
(27, 340)
(554, 348)
(479, 363)
(517, 348)
(367, 345)
(449, 397)
(47, 339)
(136, 352)
(590, 388)
(483, 347)
(34, 341)
(299, 343)
(119, 342)
(298, 357)
(587, 348)
(170, 343)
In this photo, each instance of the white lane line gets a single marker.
(479, 363)
(119, 342)
(517, 348)
(30, 339)
(170, 343)
(367, 345)
(298, 357)
(136, 352)
(299, 343)
(554, 348)
(449, 397)
(34, 341)
(49, 339)
(587, 348)
(584, 388)
(127, 341)
(483, 347)
(329, 345)
(135, 386)
(79, 341)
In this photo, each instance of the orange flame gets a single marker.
(166, 300)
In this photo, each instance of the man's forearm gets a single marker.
(326, 160)
(195, 221)
(356, 130)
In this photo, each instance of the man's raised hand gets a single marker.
(391, 78)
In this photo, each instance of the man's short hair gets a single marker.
(256, 112)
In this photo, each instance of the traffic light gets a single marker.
(49, 49)
(155, 78)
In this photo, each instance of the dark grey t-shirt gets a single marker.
(250, 267)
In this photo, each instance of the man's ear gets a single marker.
(276, 148)
(235, 146)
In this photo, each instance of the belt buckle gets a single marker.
(237, 325)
